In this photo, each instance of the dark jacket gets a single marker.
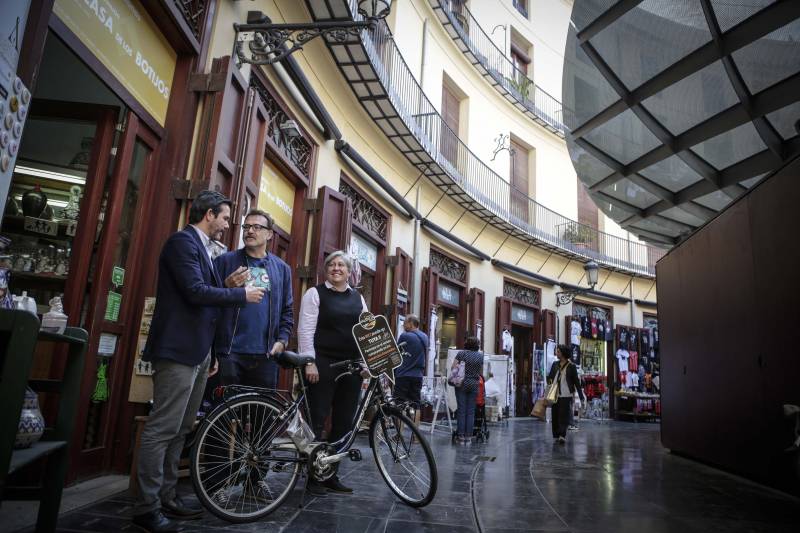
(281, 316)
(573, 381)
(189, 299)
(417, 353)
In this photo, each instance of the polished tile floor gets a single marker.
(612, 477)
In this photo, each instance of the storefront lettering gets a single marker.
(157, 82)
(125, 39)
(101, 14)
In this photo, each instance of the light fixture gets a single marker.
(566, 297)
(260, 42)
(289, 129)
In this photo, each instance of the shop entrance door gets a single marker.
(523, 361)
(112, 318)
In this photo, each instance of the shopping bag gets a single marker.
(552, 393)
(457, 374)
(539, 408)
(492, 388)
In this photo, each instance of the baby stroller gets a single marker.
(480, 430)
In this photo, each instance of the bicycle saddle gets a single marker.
(289, 359)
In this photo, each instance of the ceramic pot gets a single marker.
(34, 202)
(31, 422)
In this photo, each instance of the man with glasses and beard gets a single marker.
(249, 337)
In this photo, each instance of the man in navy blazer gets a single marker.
(248, 337)
(189, 299)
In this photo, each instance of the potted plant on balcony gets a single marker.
(520, 87)
(579, 235)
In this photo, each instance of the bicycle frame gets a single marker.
(290, 407)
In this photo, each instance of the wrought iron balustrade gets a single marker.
(494, 64)
(487, 188)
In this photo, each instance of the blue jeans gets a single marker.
(465, 415)
(256, 370)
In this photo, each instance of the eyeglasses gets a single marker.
(254, 227)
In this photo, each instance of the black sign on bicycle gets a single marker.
(377, 345)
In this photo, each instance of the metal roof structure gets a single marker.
(678, 107)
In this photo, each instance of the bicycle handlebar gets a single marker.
(349, 362)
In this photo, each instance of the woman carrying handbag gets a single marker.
(471, 360)
(564, 382)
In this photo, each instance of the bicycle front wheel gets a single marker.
(404, 457)
(243, 463)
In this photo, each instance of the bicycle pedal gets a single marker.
(354, 454)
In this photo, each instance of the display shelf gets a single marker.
(637, 395)
(641, 414)
(17, 275)
(16, 224)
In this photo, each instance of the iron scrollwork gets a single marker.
(448, 267)
(297, 149)
(193, 12)
(520, 294)
(364, 212)
(268, 46)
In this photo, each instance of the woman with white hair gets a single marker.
(328, 313)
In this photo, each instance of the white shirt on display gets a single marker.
(575, 332)
(622, 359)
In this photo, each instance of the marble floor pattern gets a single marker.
(610, 477)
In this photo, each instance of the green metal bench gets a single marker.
(19, 333)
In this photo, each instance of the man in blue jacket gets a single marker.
(409, 374)
(249, 336)
(189, 296)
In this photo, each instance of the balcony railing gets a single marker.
(545, 109)
(479, 181)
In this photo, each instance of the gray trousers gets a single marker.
(177, 395)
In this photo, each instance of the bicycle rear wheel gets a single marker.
(243, 463)
(404, 457)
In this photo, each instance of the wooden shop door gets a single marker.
(114, 305)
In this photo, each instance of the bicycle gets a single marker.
(251, 449)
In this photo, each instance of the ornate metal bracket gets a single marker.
(267, 43)
(503, 143)
(566, 297)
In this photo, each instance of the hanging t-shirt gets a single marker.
(601, 329)
(623, 337)
(633, 361)
(506, 341)
(622, 359)
(632, 344)
(586, 327)
(609, 331)
(645, 341)
(576, 354)
(594, 328)
(575, 331)
(633, 380)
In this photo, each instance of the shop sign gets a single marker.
(365, 251)
(13, 16)
(107, 345)
(522, 314)
(128, 43)
(377, 345)
(276, 196)
(117, 276)
(449, 294)
(113, 303)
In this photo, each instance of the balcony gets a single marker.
(383, 83)
(497, 68)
